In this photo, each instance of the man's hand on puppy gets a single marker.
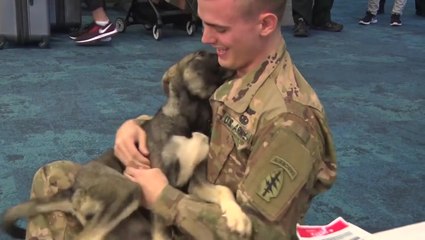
(131, 148)
(151, 180)
(130, 144)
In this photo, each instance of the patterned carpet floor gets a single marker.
(66, 102)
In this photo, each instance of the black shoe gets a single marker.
(329, 26)
(74, 35)
(301, 28)
(395, 20)
(368, 19)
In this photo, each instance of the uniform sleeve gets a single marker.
(284, 168)
(201, 220)
(280, 169)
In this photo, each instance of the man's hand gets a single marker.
(151, 180)
(130, 144)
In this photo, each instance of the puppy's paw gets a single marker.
(237, 220)
(200, 146)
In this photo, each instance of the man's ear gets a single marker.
(268, 23)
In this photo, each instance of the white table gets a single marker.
(409, 232)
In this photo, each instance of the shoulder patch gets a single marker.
(270, 187)
(286, 166)
(272, 184)
(277, 173)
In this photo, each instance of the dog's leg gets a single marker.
(102, 206)
(237, 220)
(32, 208)
(159, 229)
(105, 221)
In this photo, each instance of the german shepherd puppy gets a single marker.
(106, 203)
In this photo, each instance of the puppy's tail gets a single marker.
(30, 209)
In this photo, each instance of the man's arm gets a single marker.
(201, 220)
(275, 193)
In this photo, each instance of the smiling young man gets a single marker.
(270, 142)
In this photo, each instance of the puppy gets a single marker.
(101, 197)
(189, 84)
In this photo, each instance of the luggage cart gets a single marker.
(154, 15)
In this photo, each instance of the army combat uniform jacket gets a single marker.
(270, 144)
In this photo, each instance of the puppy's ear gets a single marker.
(168, 76)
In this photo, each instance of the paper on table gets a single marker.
(339, 229)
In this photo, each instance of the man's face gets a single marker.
(235, 38)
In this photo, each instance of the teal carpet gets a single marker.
(66, 102)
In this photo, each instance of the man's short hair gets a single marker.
(253, 7)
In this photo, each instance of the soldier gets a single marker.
(270, 143)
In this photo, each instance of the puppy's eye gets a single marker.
(89, 216)
(202, 53)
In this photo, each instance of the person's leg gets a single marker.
(97, 9)
(381, 9)
(99, 15)
(396, 12)
(372, 9)
(321, 19)
(373, 6)
(46, 182)
(398, 6)
(322, 12)
(102, 29)
(302, 13)
(420, 7)
(302, 9)
(92, 5)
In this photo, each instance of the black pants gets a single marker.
(420, 7)
(95, 4)
(317, 12)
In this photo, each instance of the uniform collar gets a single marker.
(238, 93)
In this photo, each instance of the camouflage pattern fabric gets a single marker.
(46, 182)
(271, 145)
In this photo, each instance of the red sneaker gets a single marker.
(96, 33)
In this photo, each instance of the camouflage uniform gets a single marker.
(46, 182)
(270, 145)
